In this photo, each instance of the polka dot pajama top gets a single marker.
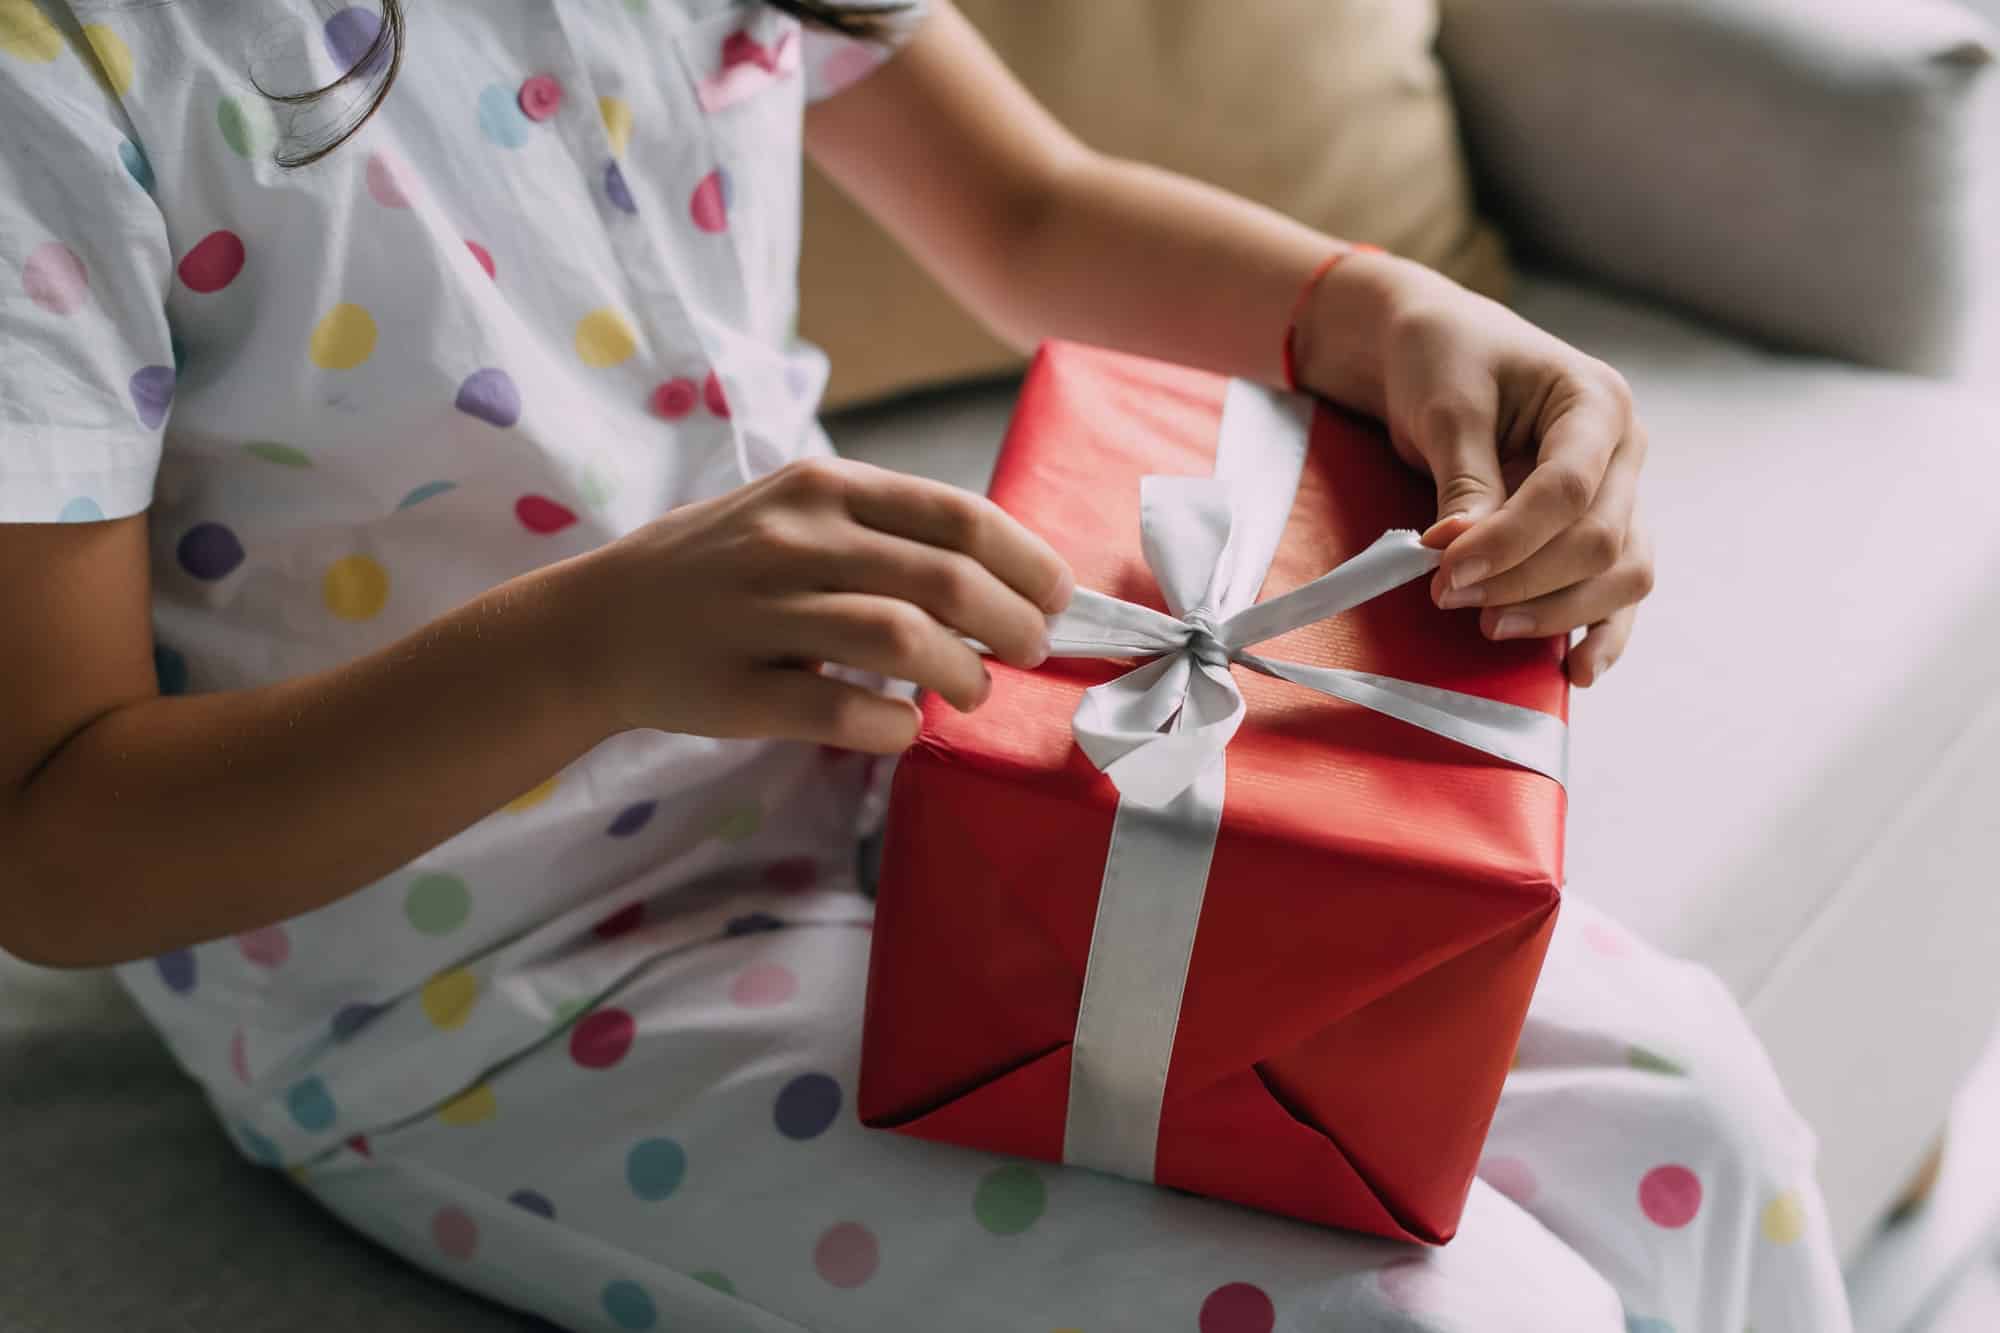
(595, 1055)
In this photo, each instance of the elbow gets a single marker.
(46, 916)
(1031, 224)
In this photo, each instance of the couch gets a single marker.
(1791, 777)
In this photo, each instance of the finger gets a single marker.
(1580, 604)
(804, 705)
(1459, 441)
(887, 636)
(1600, 649)
(1585, 549)
(1570, 464)
(940, 515)
(957, 590)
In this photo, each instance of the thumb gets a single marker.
(1464, 459)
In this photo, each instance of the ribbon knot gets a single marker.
(1204, 641)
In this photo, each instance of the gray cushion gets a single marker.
(1803, 172)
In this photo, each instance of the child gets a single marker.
(360, 472)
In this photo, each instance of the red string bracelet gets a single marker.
(1326, 266)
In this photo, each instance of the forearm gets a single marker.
(172, 820)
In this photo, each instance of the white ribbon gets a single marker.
(1159, 732)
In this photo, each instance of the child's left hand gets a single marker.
(1535, 449)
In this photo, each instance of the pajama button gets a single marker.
(540, 97)
(675, 399)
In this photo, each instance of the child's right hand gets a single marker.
(715, 618)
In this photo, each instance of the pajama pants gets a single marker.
(684, 1157)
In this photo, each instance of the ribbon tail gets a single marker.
(1533, 740)
(1390, 561)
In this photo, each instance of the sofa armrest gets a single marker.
(1802, 172)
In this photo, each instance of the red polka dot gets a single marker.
(713, 395)
(761, 985)
(455, 1233)
(1238, 1308)
(1512, 1177)
(268, 947)
(621, 922)
(484, 256)
(540, 514)
(792, 874)
(601, 1039)
(1670, 1196)
(675, 398)
(1605, 940)
(847, 1254)
(239, 1058)
(360, 1144)
(214, 262)
(540, 97)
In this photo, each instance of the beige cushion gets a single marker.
(1334, 111)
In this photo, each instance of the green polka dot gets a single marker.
(247, 126)
(739, 824)
(1641, 1058)
(438, 904)
(1010, 1199)
(569, 1009)
(711, 1278)
(596, 485)
(281, 454)
(636, 6)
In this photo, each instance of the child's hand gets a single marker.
(1534, 447)
(716, 617)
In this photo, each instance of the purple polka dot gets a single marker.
(491, 396)
(152, 394)
(807, 1106)
(617, 191)
(209, 551)
(528, 1201)
(350, 37)
(177, 970)
(752, 923)
(352, 1018)
(631, 819)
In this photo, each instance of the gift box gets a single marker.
(1296, 979)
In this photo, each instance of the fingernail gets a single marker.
(1039, 653)
(1454, 598)
(1513, 625)
(1066, 589)
(1469, 572)
(1448, 518)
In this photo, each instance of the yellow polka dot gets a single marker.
(532, 797)
(449, 997)
(355, 587)
(298, 1173)
(114, 58)
(1784, 1219)
(474, 1106)
(617, 122)
(26, 33)
(344, 339)
(605, 338)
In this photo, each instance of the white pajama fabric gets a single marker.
(595, 1055)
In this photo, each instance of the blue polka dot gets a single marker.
(807, 1106)
(752, 923)
(258, 1148)
(528, 1201)
(170, 669)
(628, 1305)
(177, 970)
(654, 1168)
(311, 1105)
(134, 158)
(352, 1018)
(425, 492)
(617, 191)
(500, 116)
(83, 509)
(631, 819)
(178, 349)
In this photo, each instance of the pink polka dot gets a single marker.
(213, 263)
(54, 278)
(385, 184)
(764, 984)
(621, 922)
(602, 1038)
(1238, 1308)
(1512, 1177)
(1605, 940)
(709, 204)
(540, 514)
(849, 64)
(485, 258)
(1409, 1284)
(268, 947)
(675, 398)
(792, 874)
(1670, 1196)
(847, 1254)
(239, 1057)
(455, 1233)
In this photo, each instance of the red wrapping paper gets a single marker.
(1379, 901)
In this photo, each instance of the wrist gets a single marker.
(565, 615)
(1343, 331)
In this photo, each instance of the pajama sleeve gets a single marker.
(834, 62)
(86, 361)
